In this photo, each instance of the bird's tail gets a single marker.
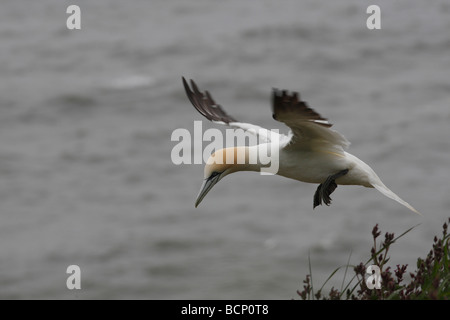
(388, 193)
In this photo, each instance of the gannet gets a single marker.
(311, 152)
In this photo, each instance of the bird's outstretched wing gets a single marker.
(205, 104)
(307, 126)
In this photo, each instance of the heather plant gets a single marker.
(430, 279)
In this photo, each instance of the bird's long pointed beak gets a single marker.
(204, 189)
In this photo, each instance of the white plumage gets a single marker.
(311, 152)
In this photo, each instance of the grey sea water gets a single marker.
(86, 117)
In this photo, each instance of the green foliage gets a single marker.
(430, 280)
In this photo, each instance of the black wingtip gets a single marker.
(205, 104)
(285, 102)
(186, 85)
(184, 81)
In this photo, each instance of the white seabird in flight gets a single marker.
(311, 152)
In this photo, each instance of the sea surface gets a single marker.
(86, 118)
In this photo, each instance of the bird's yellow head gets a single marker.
(220, 164)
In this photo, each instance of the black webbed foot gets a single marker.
(324, 190)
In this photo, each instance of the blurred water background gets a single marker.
(86, 118)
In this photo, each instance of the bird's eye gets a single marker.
(214, 174)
